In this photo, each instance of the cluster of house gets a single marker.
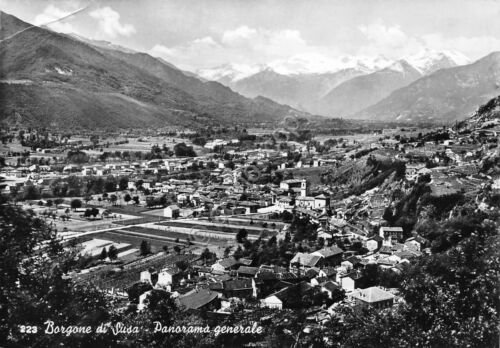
(216, 287)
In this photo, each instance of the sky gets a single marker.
(200, 34)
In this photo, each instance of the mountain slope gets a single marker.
(487, 116)
(299, 83)
(299, 91)
(55, 79)
(428, 61)
(445, 95)
(362, 91)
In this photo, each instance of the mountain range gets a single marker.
(58, 80)
(298, 91)
(443, 96)
(431, 85)
(362, 91)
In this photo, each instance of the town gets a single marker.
(253, 221)
(266, 173)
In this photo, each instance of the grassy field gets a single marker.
(134, 144)
(135, 241)
(312, 174)
(139, 220)
(168, 233)
(361, 138)
(128, 209)
(217, 227)
(245, 221)
(153, 212)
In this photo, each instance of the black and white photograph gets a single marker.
(250, 173)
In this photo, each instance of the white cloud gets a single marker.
(184, 55)
(388, 40)
(475, 47)
(385, 36)
(52, 13)
(243, 45)
(109, 22)
(207, 41)
(162, 51)
(392, 41)
(275, 43)
(286, 51)
(237, 35)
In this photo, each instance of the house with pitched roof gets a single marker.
(169, 276)
(332, 255)
(391, 233)
(241, 288)
(330, 287)
(230, 263)
(172, 211)
(306, 261)
(373, 243)
(287, 297)
(247, 272)
(351, 281)
(374, 297)
(321, 202)
(199, 299)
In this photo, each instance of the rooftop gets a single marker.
(309, 260)
(330, 251)
(372, 295)
(197, 298)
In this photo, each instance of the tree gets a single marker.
(123, 183)
(206, 255)
(127, 198)
(76, 203)
(450, 299)
(77, 157)
(113, 199)
(112, 252)
(238, 254)
(34, 287)
(104, 254)
(87, 213)
(94, 212)
(136, 290)
(110, 184)
(145, 248)
(388, 215)
(200, 141)
(182, 265)
(241, 235)
(31, 192)
(182, 150)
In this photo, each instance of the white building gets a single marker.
(272, 301)
(172, 211)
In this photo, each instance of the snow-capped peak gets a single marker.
(295, 65)
(319, 64)
(401, 66)
(427, 61)
(231, 72)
